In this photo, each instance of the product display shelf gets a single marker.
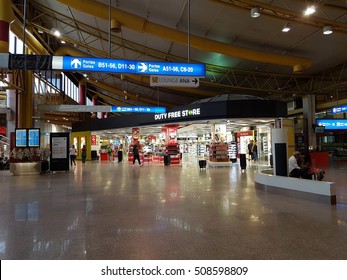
(219, 152)
(232, 151)
(173, 151)
(201, 148)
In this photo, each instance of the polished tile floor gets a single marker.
(118, 211)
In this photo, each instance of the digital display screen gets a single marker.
(21, 137)
(332, 124)
(34, 137)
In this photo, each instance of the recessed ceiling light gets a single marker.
(56, 33)
(255, 12)
(327, 30)
(286, 28)
(310, 10)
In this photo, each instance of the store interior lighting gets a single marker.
(310, 10)
(56, 33)
(286, 28)
(255, 12)
(327, 30)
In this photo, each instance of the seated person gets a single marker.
(294, 169)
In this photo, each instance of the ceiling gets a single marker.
(243, 55)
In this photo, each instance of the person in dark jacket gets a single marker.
(136, 154)
(84, 153)
(250, 146)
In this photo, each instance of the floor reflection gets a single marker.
(120, 211)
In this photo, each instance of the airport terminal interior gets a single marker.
(197, 86)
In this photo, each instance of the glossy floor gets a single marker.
(119, 211)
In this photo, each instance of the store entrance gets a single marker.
(219, 143)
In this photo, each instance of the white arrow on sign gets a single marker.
(76, 63)
(143, 67)
(174, 81)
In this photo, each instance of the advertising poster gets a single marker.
(220, 133)
(59, 147)
(75, 142)
(83, 141)
(93, 140)
(135, 134)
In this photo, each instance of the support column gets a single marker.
(26, 101)
(11, 105)
(95, 114)
(82, 92)
(279, 151)
(309, 110)
(5, 19)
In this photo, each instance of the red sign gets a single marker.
(93, 140)
(3, 130)
(245, 133)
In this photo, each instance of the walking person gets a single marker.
(250, 146)
(84, 153)
(255, 150)
(136, 154)
(72, 154)
(120, 153)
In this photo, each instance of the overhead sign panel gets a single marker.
(339, 109)
(75, 63)
(134, 109)
(340, 124)
(100, 108)
(174, 81)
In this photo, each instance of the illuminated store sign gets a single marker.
(133, 109)
(75, 63)
(333, 123)
(339, 109)
(177, 114)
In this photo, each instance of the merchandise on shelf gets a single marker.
(232, 150)
(173, 151)
(219, 152)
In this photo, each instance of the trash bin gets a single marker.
(202, 164)
(243, 162)
(94, 155)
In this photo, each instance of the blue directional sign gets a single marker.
(332, 123)
(74, 63)
(339, 109)
(133, 109)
